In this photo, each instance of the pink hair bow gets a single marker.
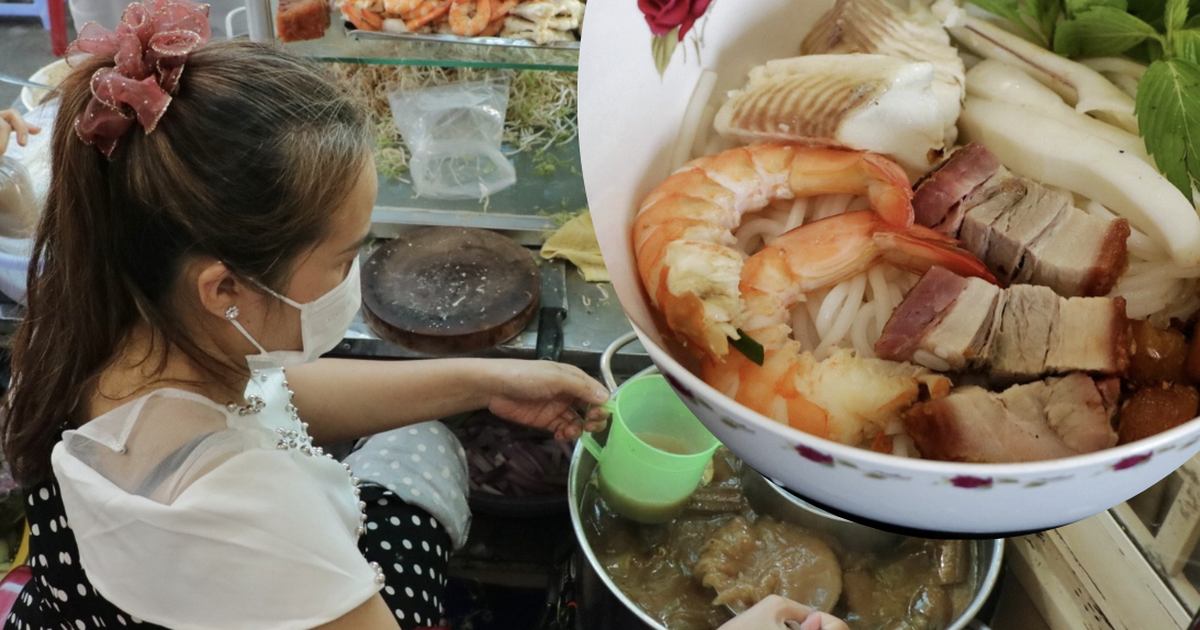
(149, 49)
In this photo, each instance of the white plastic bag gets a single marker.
(453, 133)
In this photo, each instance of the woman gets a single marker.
(201, 234)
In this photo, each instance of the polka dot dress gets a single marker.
(59, 597)
(408, 543)
(414, 550)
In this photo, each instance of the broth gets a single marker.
(667, 443)
(920, 583)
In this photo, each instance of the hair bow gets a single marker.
(149, 48)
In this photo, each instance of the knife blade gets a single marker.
(553, 310)
(8, 78)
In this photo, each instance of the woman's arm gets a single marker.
(345, 399)
(373, 614)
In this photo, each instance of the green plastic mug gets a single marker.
(655, 454)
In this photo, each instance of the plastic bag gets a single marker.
(453, 132)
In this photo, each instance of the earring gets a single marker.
(232, 313)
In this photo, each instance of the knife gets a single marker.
(8, 78)
(553, 311)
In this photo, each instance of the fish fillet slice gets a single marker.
(867, 102)
(897, 28)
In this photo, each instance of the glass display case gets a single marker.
(548, 188)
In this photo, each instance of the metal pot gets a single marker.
(601, 605)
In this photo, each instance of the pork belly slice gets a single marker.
(1042, 333)
(937, 199)
(1026, 233)
(1024, 332)
(1020, 345)
(1090, 334)
(943, 323)
(1056, 417)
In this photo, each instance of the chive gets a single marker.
(748, 347)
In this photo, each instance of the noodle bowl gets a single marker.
(630, 124)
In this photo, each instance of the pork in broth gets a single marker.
(719, 552)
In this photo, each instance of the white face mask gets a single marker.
(323, 324)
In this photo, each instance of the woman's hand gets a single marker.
(779, 613)
(547, 395)
(11, 121)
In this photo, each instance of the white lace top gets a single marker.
(193, 516)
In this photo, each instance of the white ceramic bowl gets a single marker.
(51, 74)
(630, 124)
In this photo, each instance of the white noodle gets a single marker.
(797, 214)
(802, 328)
(859, 338)
(845, 316)
(880, 298)
(931, 361)
(831, 304)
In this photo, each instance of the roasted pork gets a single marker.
(1024, 232)
(1056, 417)
(943, 323)
(938, 198)
(1016, 334)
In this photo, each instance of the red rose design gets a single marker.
(967, 481)
(1131, 461)
(665, 15)
(814, 455)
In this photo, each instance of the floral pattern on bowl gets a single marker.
(670, 21)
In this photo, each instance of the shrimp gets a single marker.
(401, 8)
(499, 12)
(363, 14)
(828, 251)
(843, 398)
(683, 234)
(710, 292)
(424, 13)
(469, 17)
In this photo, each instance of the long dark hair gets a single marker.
(249, 161)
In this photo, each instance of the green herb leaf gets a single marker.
(1168, 113)
(1187, 44)
(1009, 10)
(1150, 11)
(1043, 13)
(1099, 32)
(748, 347)
(1075, 7)
(1175, 15)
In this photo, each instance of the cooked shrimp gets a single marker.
(469, 17)
(843, 398)
(499, 12)
(363, 14)
(425, 12)
(683, 233)
(400, 8)
(830, 250)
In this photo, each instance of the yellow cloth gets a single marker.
(576, 242)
